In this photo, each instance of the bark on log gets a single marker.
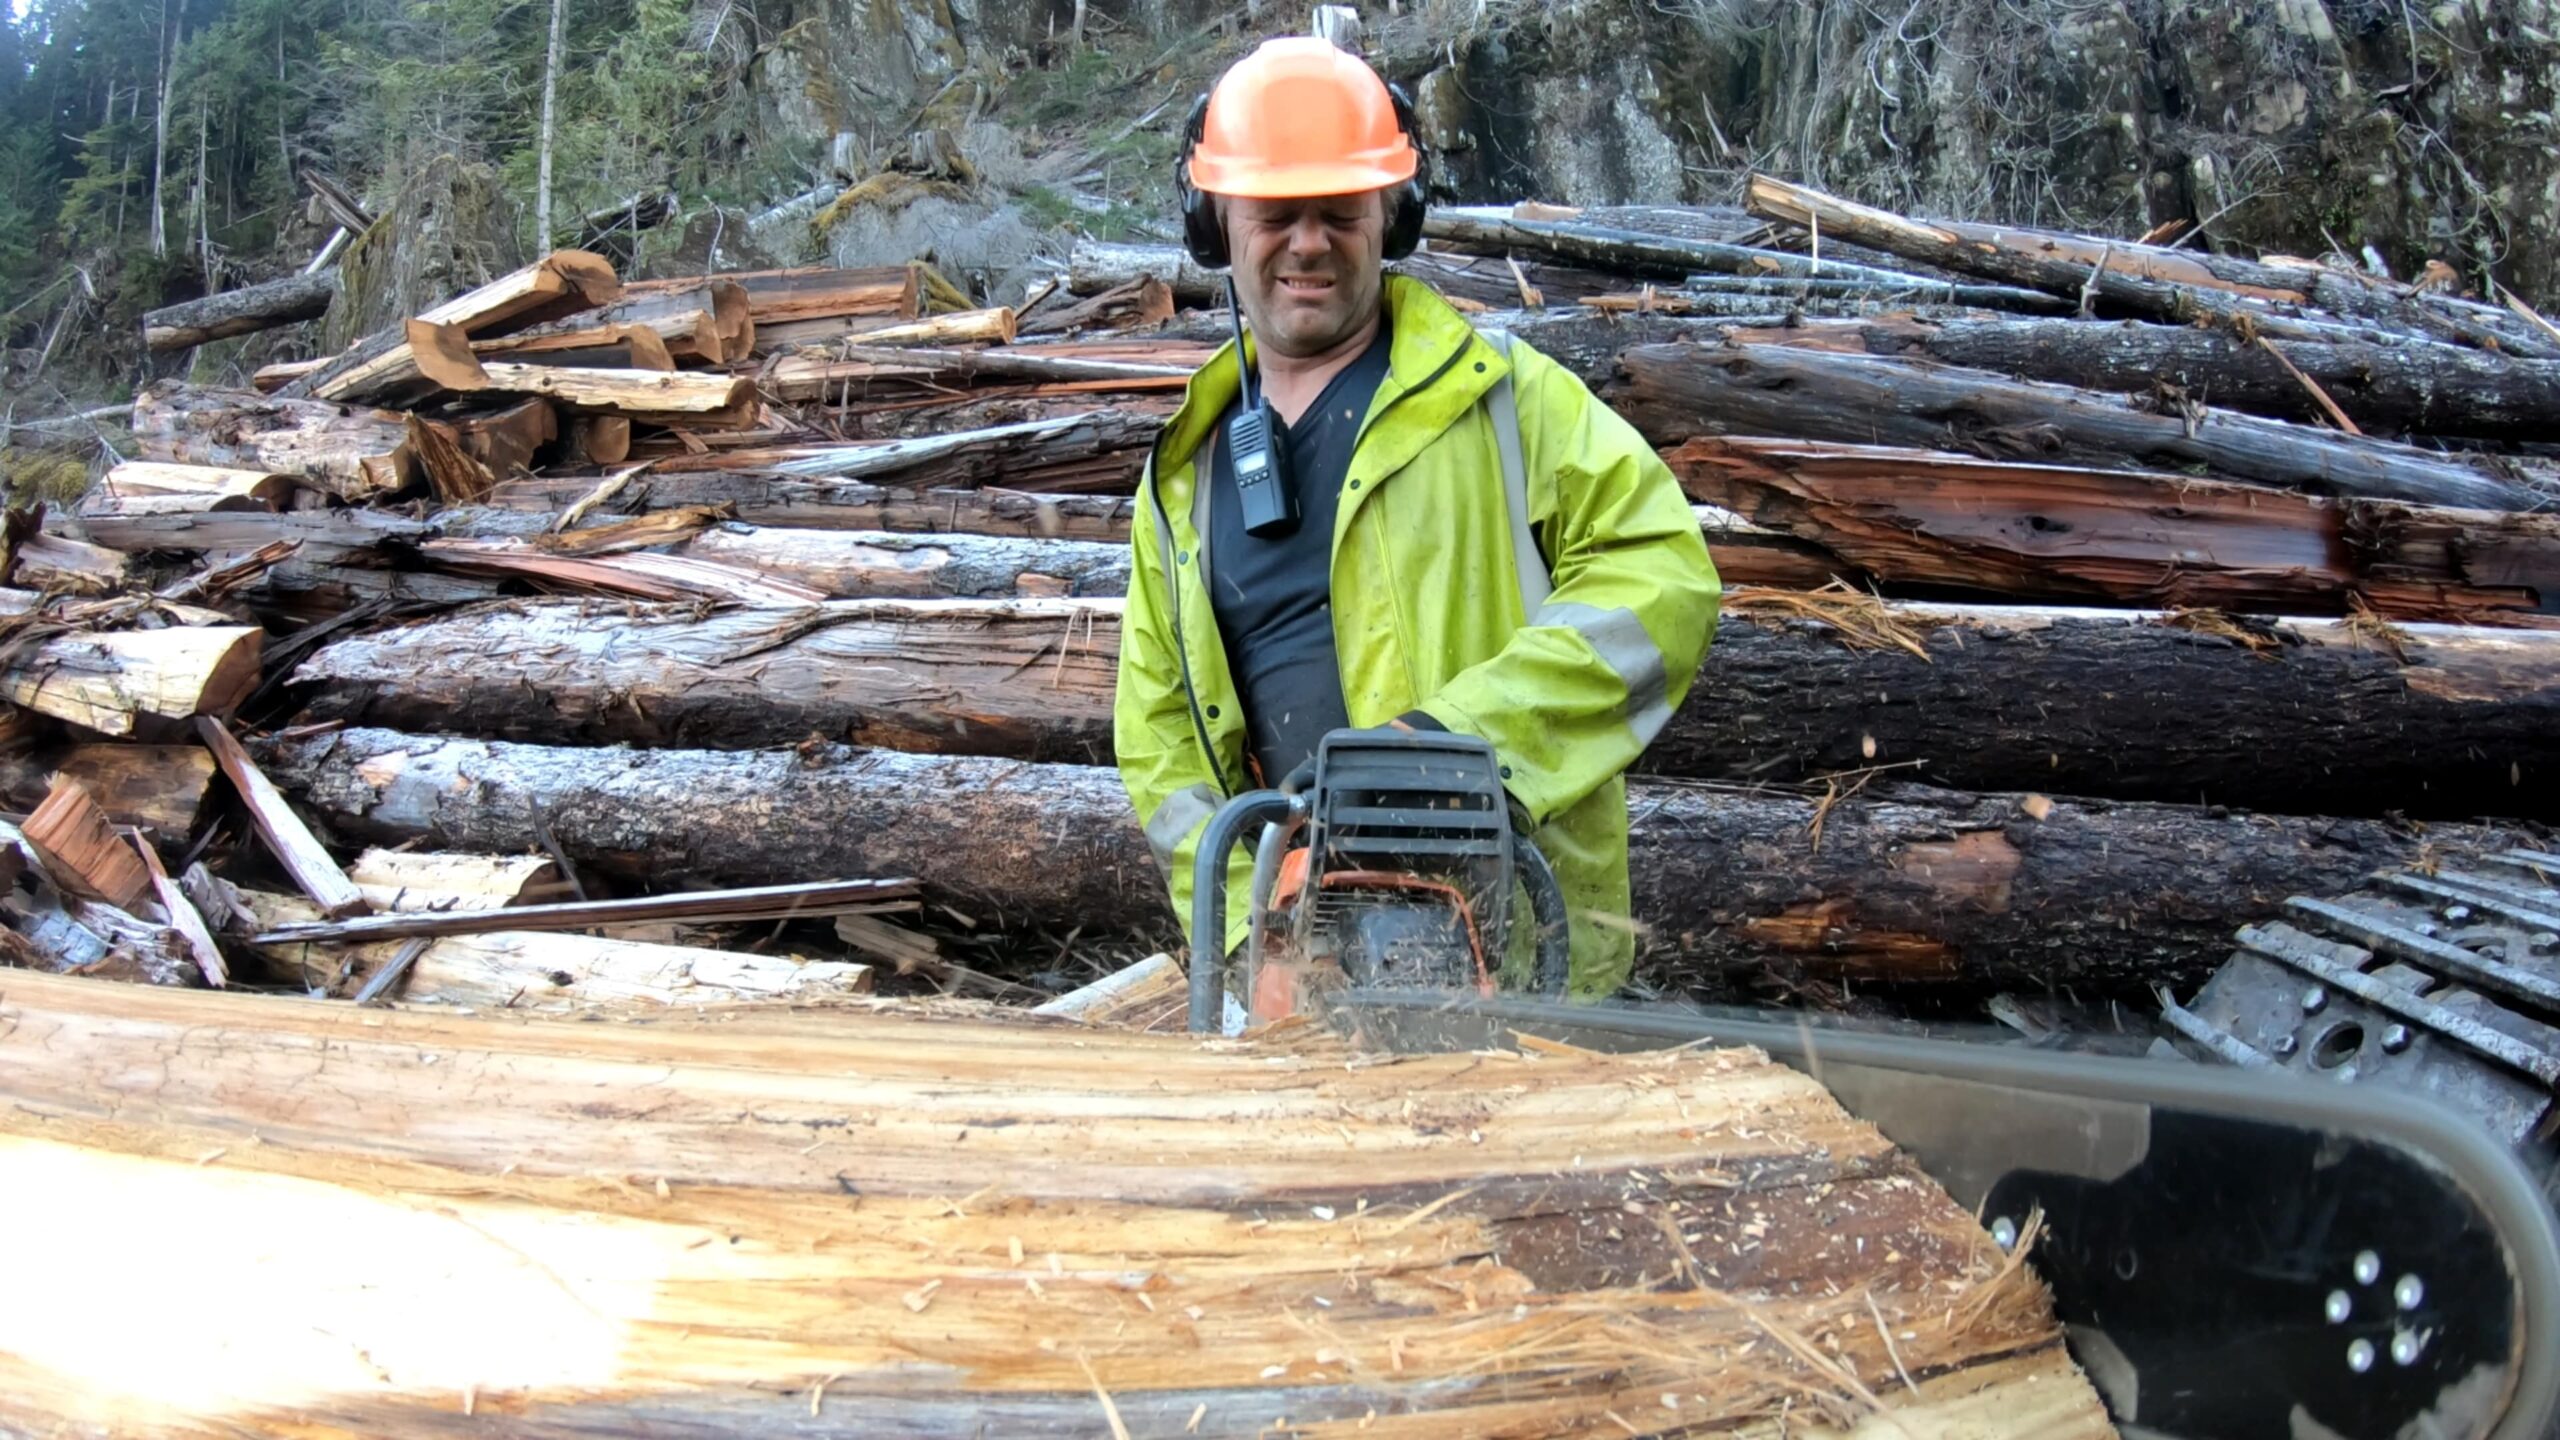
(2302, 714)
(1918, 518)
(1639, 253)
(1910, 885)
(1674, 392)
(1500, 1287)
(2172, 285)
(353, 453)
(2436, 389)
(239, 312)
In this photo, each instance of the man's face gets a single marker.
(1307, 271)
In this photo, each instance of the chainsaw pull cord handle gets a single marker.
(1232, 823)
(1547, 908)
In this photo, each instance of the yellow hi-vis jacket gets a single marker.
(1429, 612)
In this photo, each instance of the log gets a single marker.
(598, 347)
(1924, 518)
(1498, 1287)
(506, 441)
(80, 849)
(57, 563)
(602, 439)
(1096, 266)
(959, 327)
(2161, 284)
(853, 366)
(355, 454)
(1674, 392)
(2336, 716)
(268, 379)
(1141, 304)
(395, 880)
(1640, 253)
(641, 396)
(1149, 995)
(384, 369)
(155, 787)
(286, 837)
(775, 296)
(114, 681)
(706, 321)
(834, 504)
(244, 311)
(548, 973)
(762, 902)
(158, 487)
(1018, 455)
(1907, 884)
(2434, 389)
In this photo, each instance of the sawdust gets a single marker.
(1862, 621)
(2253, 635)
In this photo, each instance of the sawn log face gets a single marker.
(1915, 886)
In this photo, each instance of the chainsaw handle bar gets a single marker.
(1256, 808)
(1232, 822)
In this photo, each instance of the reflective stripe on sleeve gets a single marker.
(1182, 812)
(1619, 639)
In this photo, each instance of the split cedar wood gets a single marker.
(1075, 1230)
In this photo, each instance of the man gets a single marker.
(1400, 594)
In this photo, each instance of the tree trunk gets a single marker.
(170, 36)
(2308, 713)
(2172, 285)
(1674, 392)
(550, 93)
(1499, 1286)
(1911, 885)
(240, 312)
(2435, 389)
(1639, 253)
(1920, 518)
(353, 453)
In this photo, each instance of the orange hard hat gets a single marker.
(1300, 117)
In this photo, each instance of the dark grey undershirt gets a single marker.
(1273, 597)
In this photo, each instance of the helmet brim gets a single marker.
(1252, 180)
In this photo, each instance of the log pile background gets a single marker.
(2085, 599)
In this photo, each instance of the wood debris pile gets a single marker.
(2033, 542)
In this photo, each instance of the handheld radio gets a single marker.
(1258, 450)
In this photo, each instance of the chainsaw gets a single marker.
(1400, 865)
(2273, 1256)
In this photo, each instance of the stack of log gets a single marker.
(2085, 598)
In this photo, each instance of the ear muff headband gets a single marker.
(1204, 231)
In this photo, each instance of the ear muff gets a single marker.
(1204, 230)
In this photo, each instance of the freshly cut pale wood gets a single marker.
(621, 1228)
(183, 917)
(288, 839)
(159, 788)
(541, 972)
(40, 560)
(353, 453)
(648, 397)
(456, 478)
(599, 347)
(1143, 996)
(269, 379)
(244, 311)
(107, 680)
(709, 323)
(762, 902)
(1909, 884)
(774, 296)
(386, 368)
(396, 880)
(151, 486)
(963, 327)
(81, 851)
